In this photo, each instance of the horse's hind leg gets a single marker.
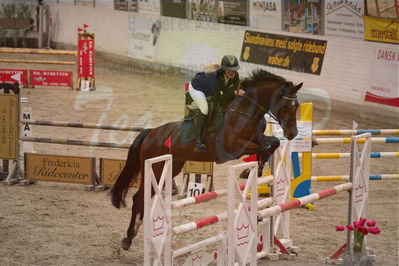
(138, 202)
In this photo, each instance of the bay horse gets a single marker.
(241, 133)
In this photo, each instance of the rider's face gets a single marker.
(230, 74)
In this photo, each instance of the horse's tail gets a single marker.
(129, 172)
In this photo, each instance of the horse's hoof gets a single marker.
(244, 174)
(126, 244)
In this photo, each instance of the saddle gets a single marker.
(214, 120)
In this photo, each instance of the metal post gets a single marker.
(349, 233)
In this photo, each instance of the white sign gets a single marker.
(266, 14)
(301, 143)
(384, 77)
(194, 189)
(343, 18)
(26, 129)
(144, 37)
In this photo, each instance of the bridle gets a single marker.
(261, 109)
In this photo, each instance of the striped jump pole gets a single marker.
(36, 51)
(214, 194)
(348, 140)
(213, 219)
(26, 61)
(79, 125)
(347, 155)
(296, 203)
(346, 177)
(330, 132)
(75, 142)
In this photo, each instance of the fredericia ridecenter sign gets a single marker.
(60, 168)
(281, 51)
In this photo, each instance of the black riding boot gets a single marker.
(201, 121)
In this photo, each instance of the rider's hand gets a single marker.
(240, 92)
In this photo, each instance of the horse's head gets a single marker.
(283, 106)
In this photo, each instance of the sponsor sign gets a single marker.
(110, 170)
(233, 12)
(13, 75)
(281, 51)
(174, 8)
(381, 29)
(144, 36)
(202, 10)
(9, 126)
(85, 3)
(56, 168)
(384, 79)
(86, 58)
(193, 167)
(126, 5)
(302, 16)
(149, 7)
(266, 14)
(344, 18)
(51, 78)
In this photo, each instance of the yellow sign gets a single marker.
(9, 126)
(381, 29)
(60, 168)
(110, 170)
(198, 167)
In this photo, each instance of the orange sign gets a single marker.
(198, 167)
(110, 170)
(9, 126)
(56, 168)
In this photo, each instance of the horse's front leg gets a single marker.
(267, 146)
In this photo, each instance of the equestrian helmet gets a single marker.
(230, 62)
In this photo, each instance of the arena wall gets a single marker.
(189, 44)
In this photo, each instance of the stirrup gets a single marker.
(200, 147)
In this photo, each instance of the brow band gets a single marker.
(288, 98)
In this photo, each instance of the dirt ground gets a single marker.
(61, 224)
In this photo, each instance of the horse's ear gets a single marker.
(297, 87)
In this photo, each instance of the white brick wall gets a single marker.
(190, 44)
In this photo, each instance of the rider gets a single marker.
(222, 84)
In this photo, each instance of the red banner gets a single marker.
(51, 78)
(13, 75)
(86, 58)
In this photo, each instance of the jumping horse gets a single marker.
(241, 133)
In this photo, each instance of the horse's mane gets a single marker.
(260, 75)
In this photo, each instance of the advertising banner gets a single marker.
(13, 75)
(143, 39)
(150, 7)
(174, 8)
(9, 126)
(381, 29)
(303, 16)
(344, 18)
(266, 14)
(59, 168)
(85, 2)
(110, 170)
(281, 51)
(202, 10)
(233, 12)
(126, 5)
(384, 87)
(51, 78)
(86, 58)
(198, 167)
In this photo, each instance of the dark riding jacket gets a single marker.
(214, 84)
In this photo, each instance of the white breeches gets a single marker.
(199, 98)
